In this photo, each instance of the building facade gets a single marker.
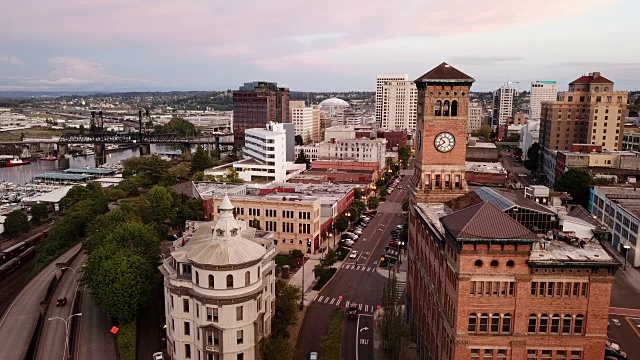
(257, 103)
(474, 121)
(631, 139)
(502, 105)
(359, 150)
(542, 90)
(302, 118)
(316, 127)
(381, 79)
(399, 104)
(219, 290)
(265, 154)
(529, 134)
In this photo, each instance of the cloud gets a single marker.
(10, 60)
(70, 71)
(485, 60)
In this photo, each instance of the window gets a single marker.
(566, 325)
(197, 278)
(555, 324)
(247, 278)
(543, 324)
(506, 324)
(473, 323)
(187, 351)
(534, 288)
(240, 356)
(475, 354)
(187, 328)
(212, 314)
(240, 337)
(185, 305)
(546, 355)
(484, 323)
(229, 281)
(210, 281)
(578, 324)
(561, 355)
(488, 354)
(239, 314)
(259, 275)
(502, 354)
(533, 321)
(576, 354)
(532, 354)
(495, 323)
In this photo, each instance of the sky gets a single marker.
(330, 45)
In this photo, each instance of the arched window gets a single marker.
(259, 274)
(555, 324)
(495, 323)
(445, 108)
(606, 88)
(506, 324)
(247, 278)
(533, 323)
(578, 324)
(619, 99)
(197, 278)
(484, 323)
(210, 281)
(543, 325)
(597, 89)
(566, 324)
(454, 108)
(438, 108)
(473, 323)
(229, 281)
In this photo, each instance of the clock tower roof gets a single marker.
(444, 73)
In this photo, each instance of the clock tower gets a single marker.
(441, 136)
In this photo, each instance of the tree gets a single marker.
(576, 182)
(372, 202)
(39, 212)
(533, 157)
(151, 169)
(74, 196)
(81, 129)
(186, 208)
(485, 132)
(298, 140)
(302, 159)
(354, 213)
(255, 223)
(232, 176)
(404, 154)
(342, 223)
(405, 204)
(380, 183)
(391, 326)
(179, 126)
(277, 349)
(161, 202)
(329, 259)
(181, 172)
(307, 139)
(16, 223)
(200, 161)
(357, 193)
(287, 302)
(115, 194)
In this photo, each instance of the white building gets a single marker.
(474, 121)
(399, 105)
(619, 209)
(502, 106)
(219, 291)
(359, 150)
(340, 132)
(381, 79)
(529, 133)
(541, 91)
(333, 107)
(302, 118)
(311, 151)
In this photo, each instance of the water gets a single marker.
(24, 174)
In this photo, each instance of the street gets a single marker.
(94, 339)
(357, 281)
(624, 313)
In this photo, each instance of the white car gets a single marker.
(354, 254)
(352, 235)
(365, 218)
(158, 356)
(313, 355)
(357, 231)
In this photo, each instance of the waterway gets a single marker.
(24, 174)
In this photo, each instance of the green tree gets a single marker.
(115, 194)
(287, 301)
(232, 176)
(75, 195)
(16, 223)
(485, 132)
(329, 259)
(100, 228)
(373, 202)
(277, 349)
(391, 326)
(302, 159)
(181, 172)
(533, 157)
(307, 139)
(342, 223)
(179, 126)
(404, 154)
(186, 208)
(354, 213)
(357, 193)
(405, 204)
(201, 160)
(331, 343)
(39, 212)
(576, 182)
(161, 203)
(151, 169)
(255, 223)
(380, 182)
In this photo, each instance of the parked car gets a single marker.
(618, 354)
(346, 243)
(365, 218)
(393, 243)
(353, 235)
(61, 302)
(348, 235)
(313, 355)
(353, 255)
(356, 231)
(158, 356)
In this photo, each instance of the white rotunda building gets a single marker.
(219, 288)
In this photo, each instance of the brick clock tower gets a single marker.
(441, 136)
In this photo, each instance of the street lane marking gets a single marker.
(360, 307)
(315, 297)
(346, 304)
(332, 300)
(320, 300)
(366, 308)
(326, 300)
(338, 303)
(358, 268)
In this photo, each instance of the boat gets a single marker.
(49, 158)
(17, 162)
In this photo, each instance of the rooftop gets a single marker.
(444, 73)
(485, 221)
(334, 101)
(485, 167)
(90, 171)
(505, 200)
(62, 177)
(560, 252)
(592, 78)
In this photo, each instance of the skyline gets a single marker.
(144, 45)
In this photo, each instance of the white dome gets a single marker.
(333, 102)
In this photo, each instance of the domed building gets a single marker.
(333, 106)
(219, 288)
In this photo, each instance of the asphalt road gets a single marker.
(95, 341)
(357, 281)
(624, 318)
(19, 321)
(52, 341)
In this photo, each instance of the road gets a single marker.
(357, 281)
(52, 341)
(20, 320)
(624, 314)
(95, 341)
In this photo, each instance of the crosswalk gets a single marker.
(359, 267)
(336, 301)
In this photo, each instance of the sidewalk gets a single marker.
(400, 272)
(631, 274)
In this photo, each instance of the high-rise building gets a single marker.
(502, 106)
(219, 290)
(257, 103)
(474, 122)
(265, 154)
(591, 112)
(399, 105)
(380, 80)
(542, 90)
(302, 118)
(441, 136)
(316, 128)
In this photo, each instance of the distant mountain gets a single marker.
(43, 94)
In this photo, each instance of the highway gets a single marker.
(95, 342)
(357, 281)
(18, 323)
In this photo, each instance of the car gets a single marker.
(399, 186)
(353, 235)
(353, 311)
(357, 231)
(353, 255)
(158, 356)
(347, 244)
(400, 227)
(313, 355)
(61, 302)
(393, 243)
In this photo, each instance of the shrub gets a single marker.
(331, 342)
(127, 341)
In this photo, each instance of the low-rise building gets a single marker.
(219, 290)
(485, 173)
(631, 138)
(529, 134)
(481, 151)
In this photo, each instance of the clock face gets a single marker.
(419, 140)
(444, 142)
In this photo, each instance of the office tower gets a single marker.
(502, 106)
(302, 118)
(380, 80)
(474, 122)
(257, 103)
(541, 91)
(399, 105)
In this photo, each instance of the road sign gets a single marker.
(364, 329)
(114, 330)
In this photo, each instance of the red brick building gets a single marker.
(395, 139)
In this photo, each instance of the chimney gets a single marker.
(596, 74)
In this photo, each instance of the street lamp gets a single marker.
(75, 273)
(66, 340)
(625, 250)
